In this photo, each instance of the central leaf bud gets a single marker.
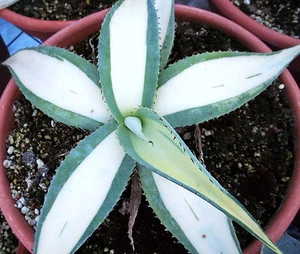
(135, 124)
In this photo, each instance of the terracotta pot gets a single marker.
(91, 24)
(41, 29)
(274, 39)
(21, 249)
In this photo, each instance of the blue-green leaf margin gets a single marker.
(69, 165)
(117, 187)
(104, 66)
(57, 113)
(166, 48)
(156, 203)
(125, 140)
(152, 61)
(153, 57)
(153, 197)
(204, 113)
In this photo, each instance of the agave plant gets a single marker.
(132, 103)
(6, 3)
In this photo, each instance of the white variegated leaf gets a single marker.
(129, 56)
(199, 226)
(166, 23)
(84, 190)
(208, 85)
(164, 152)
(62, 84)
(6, 3)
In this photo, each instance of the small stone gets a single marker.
(249, 167)
(14, 193)
(34, 113)
(28, 159)
(6, 163)
(40, 163)
(43, 186)
(24, 210)
(22, 200)
(207, 133)
(37, 218)
(36, 211)
(47, 137)
(18, 205)
(285, 179)
(31, 222)
(10, 140)
(27, 217)
(187, 136)
(29, 182)
(254, 129)
(53, 123)
(281, 86)
(10, 150)
(106, 249)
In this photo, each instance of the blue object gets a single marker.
(202, 4)
(14, 38)
(287, 244)
(294, 231)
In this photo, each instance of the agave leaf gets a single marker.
(166, 24)
(6, 3)
(166, 154)
(199, 226)
(209, 85)
(84, 190)
(63, 85)
(129, 56)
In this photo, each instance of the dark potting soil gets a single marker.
(60, 10)
(249, 151)
(281, 15)
(8, 241)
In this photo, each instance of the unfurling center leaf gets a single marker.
(134, 124)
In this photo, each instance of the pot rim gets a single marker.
(47, 25)
(42, 29)
(90, 24)
(265, 33)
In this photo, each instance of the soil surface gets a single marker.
(281, 15)
(60, 10)
(8, 241)
(249, 151)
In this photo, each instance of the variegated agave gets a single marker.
(133, 114)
